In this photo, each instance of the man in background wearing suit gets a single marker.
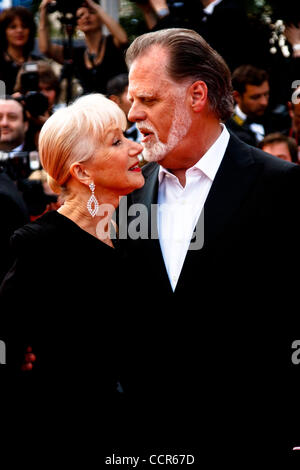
(209, 352)
(14, 214)
(251, 120)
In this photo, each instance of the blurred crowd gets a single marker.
(42, 74)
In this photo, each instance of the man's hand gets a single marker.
(44, 3)
(91, 5)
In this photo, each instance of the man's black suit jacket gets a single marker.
(210, 364)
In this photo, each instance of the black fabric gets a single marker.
(9, 71)
(214, 370)
(95, 80)
(271, 122)
(242, 131)
(64, 297)
(14, 214)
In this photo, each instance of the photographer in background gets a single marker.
(46, 82)
(102, 56)
(14, 213)
(18, 160)
(17, 33)
(38, 88)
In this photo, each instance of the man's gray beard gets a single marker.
(154, 152)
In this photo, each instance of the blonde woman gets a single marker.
(67, 293)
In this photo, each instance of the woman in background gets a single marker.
(101, 58)
(17, 33)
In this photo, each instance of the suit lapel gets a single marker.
(148, 193)
(147, 196)
(233, 180)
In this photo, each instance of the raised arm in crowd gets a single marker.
(101, 57)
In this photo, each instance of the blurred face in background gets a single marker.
(279, 149)
(254, 101)
(17, 34)
(124, 102)
(87, 20)
(12, 125)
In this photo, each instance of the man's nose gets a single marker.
(3, 121)
(264, 101)
(136, 113)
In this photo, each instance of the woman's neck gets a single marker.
(16, 53)
(93, 41)
(98, 226)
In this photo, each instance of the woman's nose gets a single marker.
(135, 149)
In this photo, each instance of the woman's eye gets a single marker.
(117, 142)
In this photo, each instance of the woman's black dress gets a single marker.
(65, 298)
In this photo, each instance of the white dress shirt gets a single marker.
(210, 8)
(16, 150)
(179, 208)
(255, 127)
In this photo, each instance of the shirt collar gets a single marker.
(210, 161)
(210, 8)
(240, 113)
(18, 149)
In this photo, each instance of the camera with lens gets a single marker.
(19, 165)
(34, 102)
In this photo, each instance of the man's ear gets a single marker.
(198, 94)
(115, 98)
(237, 97)
(80, 173)
(26, 126)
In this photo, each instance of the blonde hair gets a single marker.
(74, 134)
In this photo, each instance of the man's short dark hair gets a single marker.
(248, 75)
(190, 57)
(117, 85)
(12, 98)
(277, 137)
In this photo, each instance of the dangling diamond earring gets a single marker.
(92, 201)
